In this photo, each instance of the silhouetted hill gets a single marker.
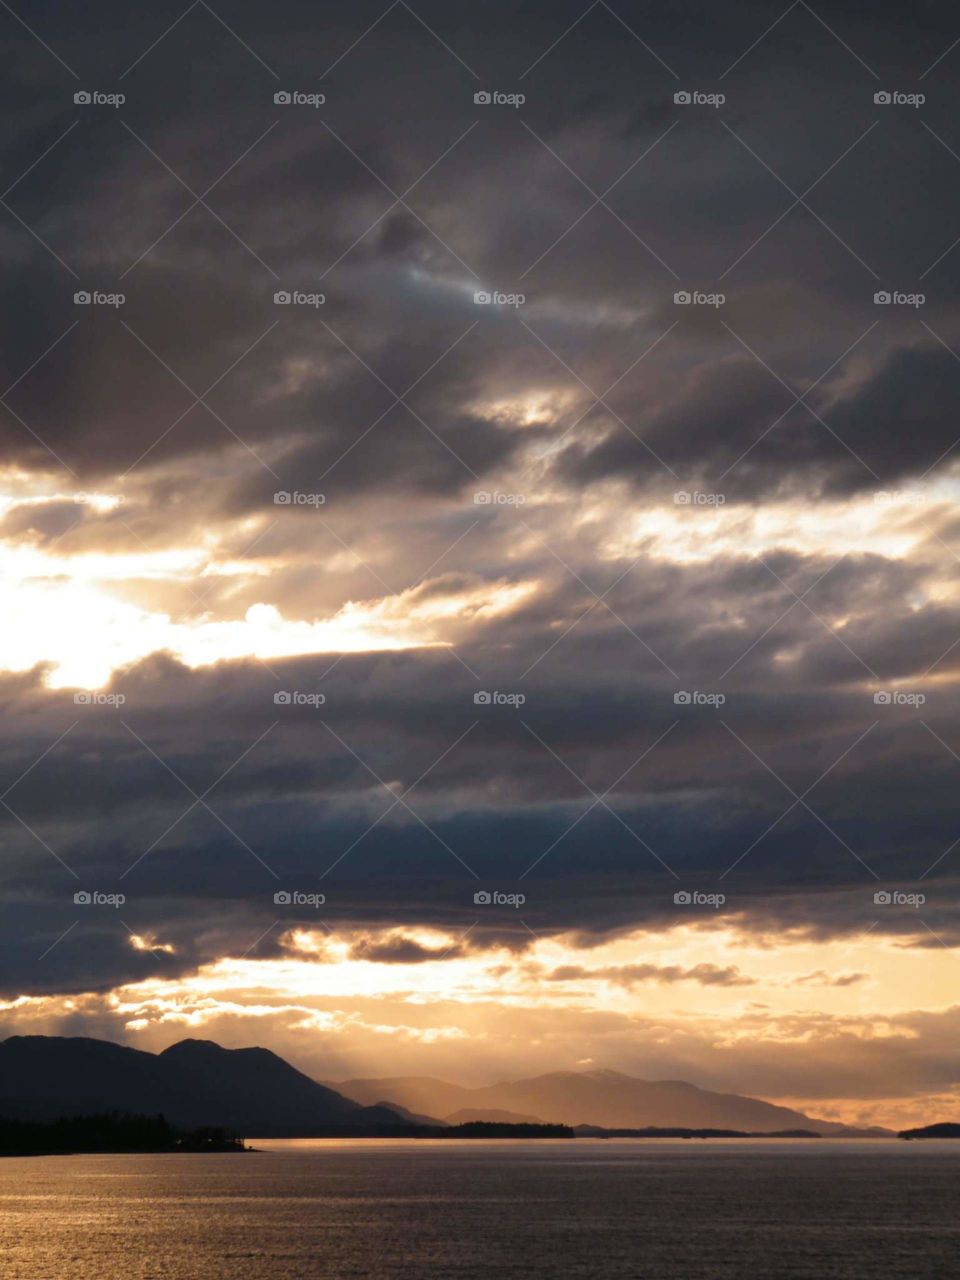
(606, 1099)
(944, 1130)
(197, 1084)
(193, 1084)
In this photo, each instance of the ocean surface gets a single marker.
(401, 1210)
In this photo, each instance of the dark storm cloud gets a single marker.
(300, 198)
(739, 428)
(314, 804)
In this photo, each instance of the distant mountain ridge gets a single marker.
(194, 1083)
(602, 1098)
(253, 1092)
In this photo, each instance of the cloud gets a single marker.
(819, 978)
(707, 975)
(398, 948)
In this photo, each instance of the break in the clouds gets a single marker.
(513, 499)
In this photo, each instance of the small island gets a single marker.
(944, 1130)
(112, 1133)
(594, 1131)
(117, 1133)
(469, 1129)
(497, 1129)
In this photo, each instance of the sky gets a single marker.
(479, 539)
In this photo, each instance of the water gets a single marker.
(336, 1210)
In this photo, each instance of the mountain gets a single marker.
(418, 1093)
(193, 1084)
(606, 1099)
(197, 1084)
(488, 1115)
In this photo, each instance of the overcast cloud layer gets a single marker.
(640, 584)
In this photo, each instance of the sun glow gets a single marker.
(71, 613)
(697, 530)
